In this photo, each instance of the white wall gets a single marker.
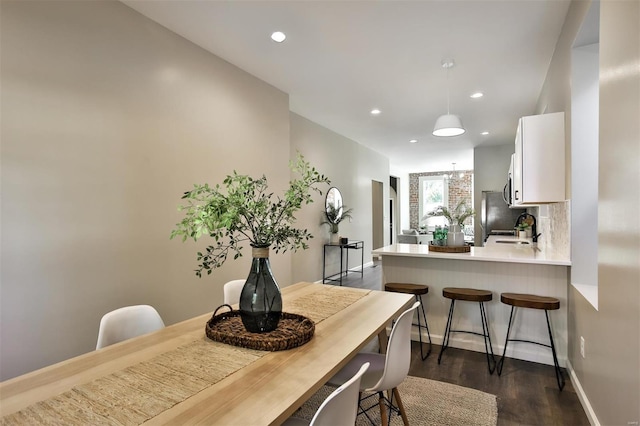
(584, 169)
(107, 118)
(351, 168)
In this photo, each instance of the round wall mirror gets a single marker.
(333, 204)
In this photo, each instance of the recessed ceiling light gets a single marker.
(477, 95)
(413, 141)
(375, 111)
(278, 36)
(484, 133)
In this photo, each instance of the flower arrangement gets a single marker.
(244, 210)
(455, 217)
(334, 215)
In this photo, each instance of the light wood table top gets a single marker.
(266, 391)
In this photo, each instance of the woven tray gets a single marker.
(293, 330)
(450, 249)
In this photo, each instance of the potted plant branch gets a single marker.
(243, 210)
(455, 218)
(333, 216)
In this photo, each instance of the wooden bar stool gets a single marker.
(469, 295)
(417, 290)
(532, 301)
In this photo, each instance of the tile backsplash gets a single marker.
(554, 222)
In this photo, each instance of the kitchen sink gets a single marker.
(513, 242)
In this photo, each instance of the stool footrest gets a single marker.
(468, 332)
(529, 341)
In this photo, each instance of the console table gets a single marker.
(344, 260)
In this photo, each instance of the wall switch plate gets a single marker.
(582, 346)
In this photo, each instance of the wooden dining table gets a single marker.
(265, 391)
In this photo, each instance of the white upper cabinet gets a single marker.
(538, 169)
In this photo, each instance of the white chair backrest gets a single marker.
(127, 322)
(232, 291)
(398, 358)
(341, 407)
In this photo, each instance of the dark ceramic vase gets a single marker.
(260, 300)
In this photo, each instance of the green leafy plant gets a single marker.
(457, 216)
(522, 226)
(243, 209)
(334, 215)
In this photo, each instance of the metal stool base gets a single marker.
(488, 347)
(420, 326)
(559, 376)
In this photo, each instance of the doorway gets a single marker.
(377, 214)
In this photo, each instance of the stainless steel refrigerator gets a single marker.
(496, 216)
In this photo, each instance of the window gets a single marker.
(432, 193)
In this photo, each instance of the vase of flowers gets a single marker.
(455, 218)
(455, 236)
(260, 299)
(242, 210)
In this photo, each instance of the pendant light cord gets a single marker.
(448, 93)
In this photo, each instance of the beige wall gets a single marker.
(107, 118)
(351, 168)
(610, 372)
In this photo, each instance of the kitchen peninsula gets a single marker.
(498, 267)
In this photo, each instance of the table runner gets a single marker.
(142, 391)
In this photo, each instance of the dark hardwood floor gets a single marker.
(527, 392)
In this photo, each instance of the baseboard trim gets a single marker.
(582, 396)
(476, 344)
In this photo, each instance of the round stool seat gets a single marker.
(469, 294)
(416, 289)
(530, 301)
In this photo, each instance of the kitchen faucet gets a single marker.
(534, 234)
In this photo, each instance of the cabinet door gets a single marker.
(539, 167)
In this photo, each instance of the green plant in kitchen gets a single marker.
(334, 215)
(243, 210)
(456, 216)
(523, 226)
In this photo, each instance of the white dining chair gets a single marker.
(232, 290)
(339, 408)
(127, 322)
(386, 371)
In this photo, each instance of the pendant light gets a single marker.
(448, 124)
(453, 175)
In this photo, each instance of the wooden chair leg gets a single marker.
(403, 413)
(383, 409)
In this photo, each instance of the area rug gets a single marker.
(427, 402)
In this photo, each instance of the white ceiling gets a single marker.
(343, 58)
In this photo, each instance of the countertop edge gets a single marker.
(476, 254)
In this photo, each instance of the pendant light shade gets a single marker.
(448, 124)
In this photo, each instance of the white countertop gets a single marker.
(492, 252)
